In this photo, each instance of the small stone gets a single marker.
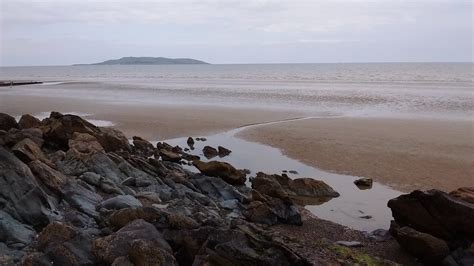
(366, 217)
(293, 172)
(223, 151)
(351, 244)
(209, 152)
(364, 183)
(190, 142)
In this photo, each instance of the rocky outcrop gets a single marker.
(432, 224)
(72, 193)
(221, 169)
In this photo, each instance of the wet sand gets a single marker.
(152, 122)
(404, 154)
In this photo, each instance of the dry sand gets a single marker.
(405, 154)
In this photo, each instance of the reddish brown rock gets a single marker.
(221, 169)
(209, 152)
(464, 193)
(85, 143)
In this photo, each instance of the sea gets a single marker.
(420, 90)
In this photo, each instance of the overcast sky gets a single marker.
(81, 31)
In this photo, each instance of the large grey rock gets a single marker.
(120, 202)
(20, 194)
(81, 198)
(14, 232)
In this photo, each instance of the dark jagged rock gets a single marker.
(59, 129)
(434, 212)
(273, 211)
(221, 169)
(223, 151)
(28, 121)
(209, 152)
(144, 147)
(7, 122)
(81, 198)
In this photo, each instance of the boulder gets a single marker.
(122, 217)
(12, 232)
(113, 140)
(28, 121)
(7, 122)
(145, 252)
(364, 183)
(81, 198)
(209, 152)
(244, 247)
(20, 194)
(429, 249)
(272, 211)
(223, 151)
(64, 244)
(282, 187)
(143, 147)
(223, 170)
(464, 193)
(58, 129)
(108, 248)
(120, 202)
(27, 151)
(434, 212)
(170, 156)
(52, 178)
(14, 136)
(85, 143)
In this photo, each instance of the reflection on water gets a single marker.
(348, 209)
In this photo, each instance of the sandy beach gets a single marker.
(404, 154)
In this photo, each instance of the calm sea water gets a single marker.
(433, 90)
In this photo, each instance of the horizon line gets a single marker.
(274, 63)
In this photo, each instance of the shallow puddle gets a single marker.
(349, 209)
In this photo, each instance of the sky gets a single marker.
(67, 32)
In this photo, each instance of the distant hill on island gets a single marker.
(149, 61)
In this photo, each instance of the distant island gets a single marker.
(149, 61)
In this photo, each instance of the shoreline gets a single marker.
(403, 154)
